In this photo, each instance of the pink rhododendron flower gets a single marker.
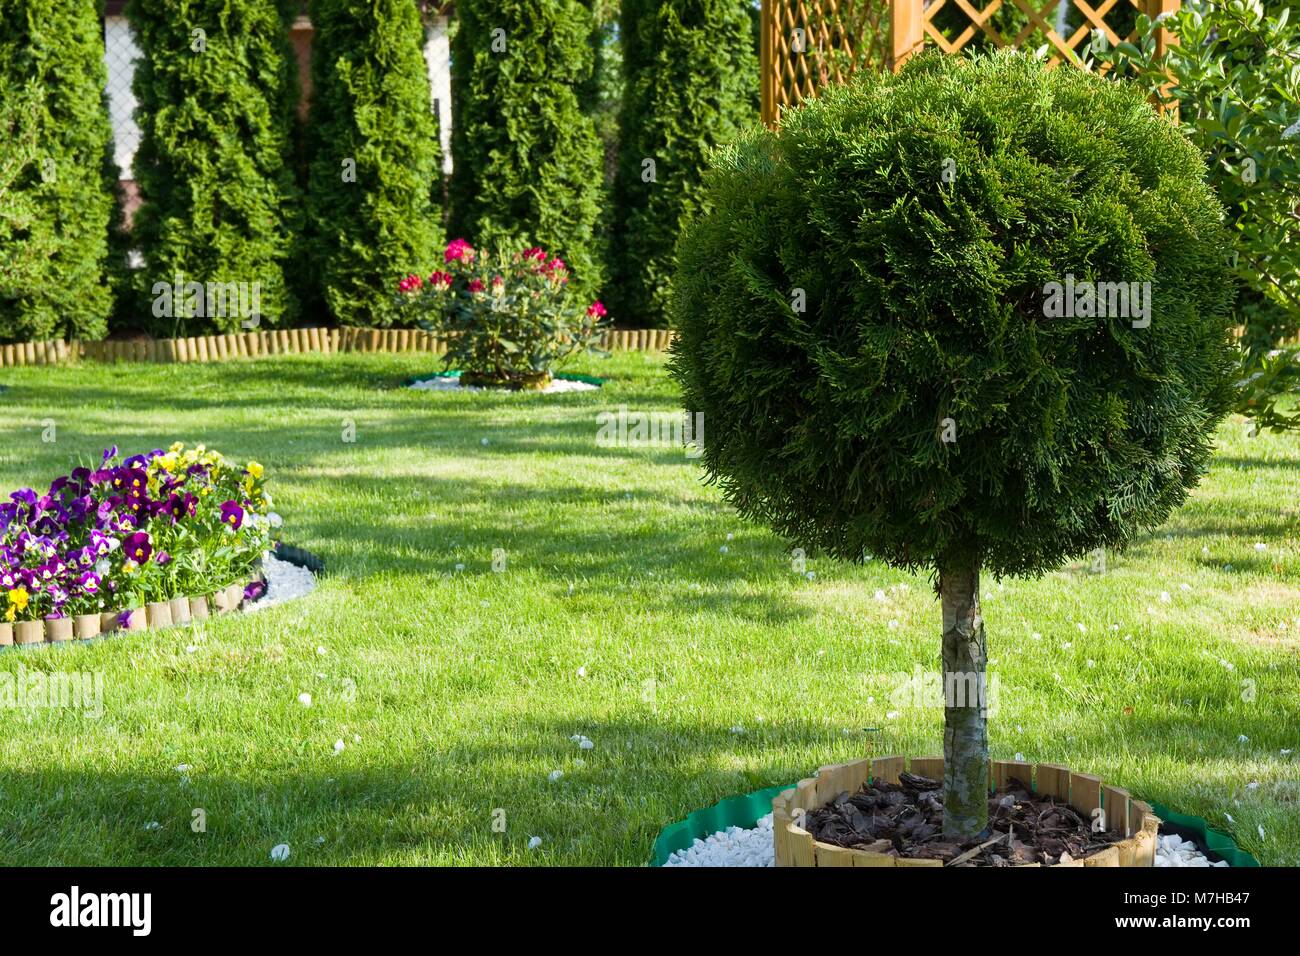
(459, 249)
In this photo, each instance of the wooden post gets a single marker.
(766, 68)
(1164, 40)
(907, 31)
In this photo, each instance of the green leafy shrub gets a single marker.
(511, 317)
(871, 323)
(688, 69)
(376, 170)
(1235, 78)
(527, 160)
(216, 86)
(57, 178)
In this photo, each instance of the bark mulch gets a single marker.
(906, 820)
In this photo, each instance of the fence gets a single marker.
(220, 348)
(809, 44)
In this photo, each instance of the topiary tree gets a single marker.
(903, 324)
(216, 87)
(527, 160)
(59, 192)
(688, 71)
(376, 169)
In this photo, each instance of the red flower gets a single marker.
(597, 310)
(459, 249)
(476, 285)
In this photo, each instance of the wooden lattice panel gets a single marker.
(1064, 27)
(808, 44)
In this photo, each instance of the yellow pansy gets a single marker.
(254, 469)
(18, 598)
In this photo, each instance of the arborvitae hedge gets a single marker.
(375, 174)
(527, 161)
(216, 109)
(62, 200)
(689, 70)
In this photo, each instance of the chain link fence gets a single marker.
(120, 54)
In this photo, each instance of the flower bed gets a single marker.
(509, 317)
(148, 541)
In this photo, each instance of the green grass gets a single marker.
(618, 616)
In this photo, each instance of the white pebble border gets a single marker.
(284, 582)
(451, 383)
(735, 846)
(1173, 850)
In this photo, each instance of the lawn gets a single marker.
(633, 608)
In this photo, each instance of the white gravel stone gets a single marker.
(733, 846)
(284, 582)
(1172, 851)
(449, 383)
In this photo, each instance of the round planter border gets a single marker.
(180, 610)
(1135, 821)
(457, 373)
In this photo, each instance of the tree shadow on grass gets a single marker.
(644, 772)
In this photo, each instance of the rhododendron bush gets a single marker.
(148, 528)
(510, 317)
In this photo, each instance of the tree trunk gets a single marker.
(965, 732)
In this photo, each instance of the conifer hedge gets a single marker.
(375, 177)
(689, 70)
(59, 192)
(216, 86)
(528, 163)
(871, 321)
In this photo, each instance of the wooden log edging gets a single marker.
(242, 345)
(1125, 816)
(156, 615)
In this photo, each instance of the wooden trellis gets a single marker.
(807, 44)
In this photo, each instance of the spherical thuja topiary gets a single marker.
(970, 316)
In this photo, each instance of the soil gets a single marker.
(525, 382)
(906, 820)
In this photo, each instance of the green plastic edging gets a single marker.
(455, 373)
(745, 812)
(1215, 840)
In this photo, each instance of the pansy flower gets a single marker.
(138, 547)
(232, 514)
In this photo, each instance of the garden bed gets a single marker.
(738, 832)
(156, 539)
(1071, 798)
(452, 382)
